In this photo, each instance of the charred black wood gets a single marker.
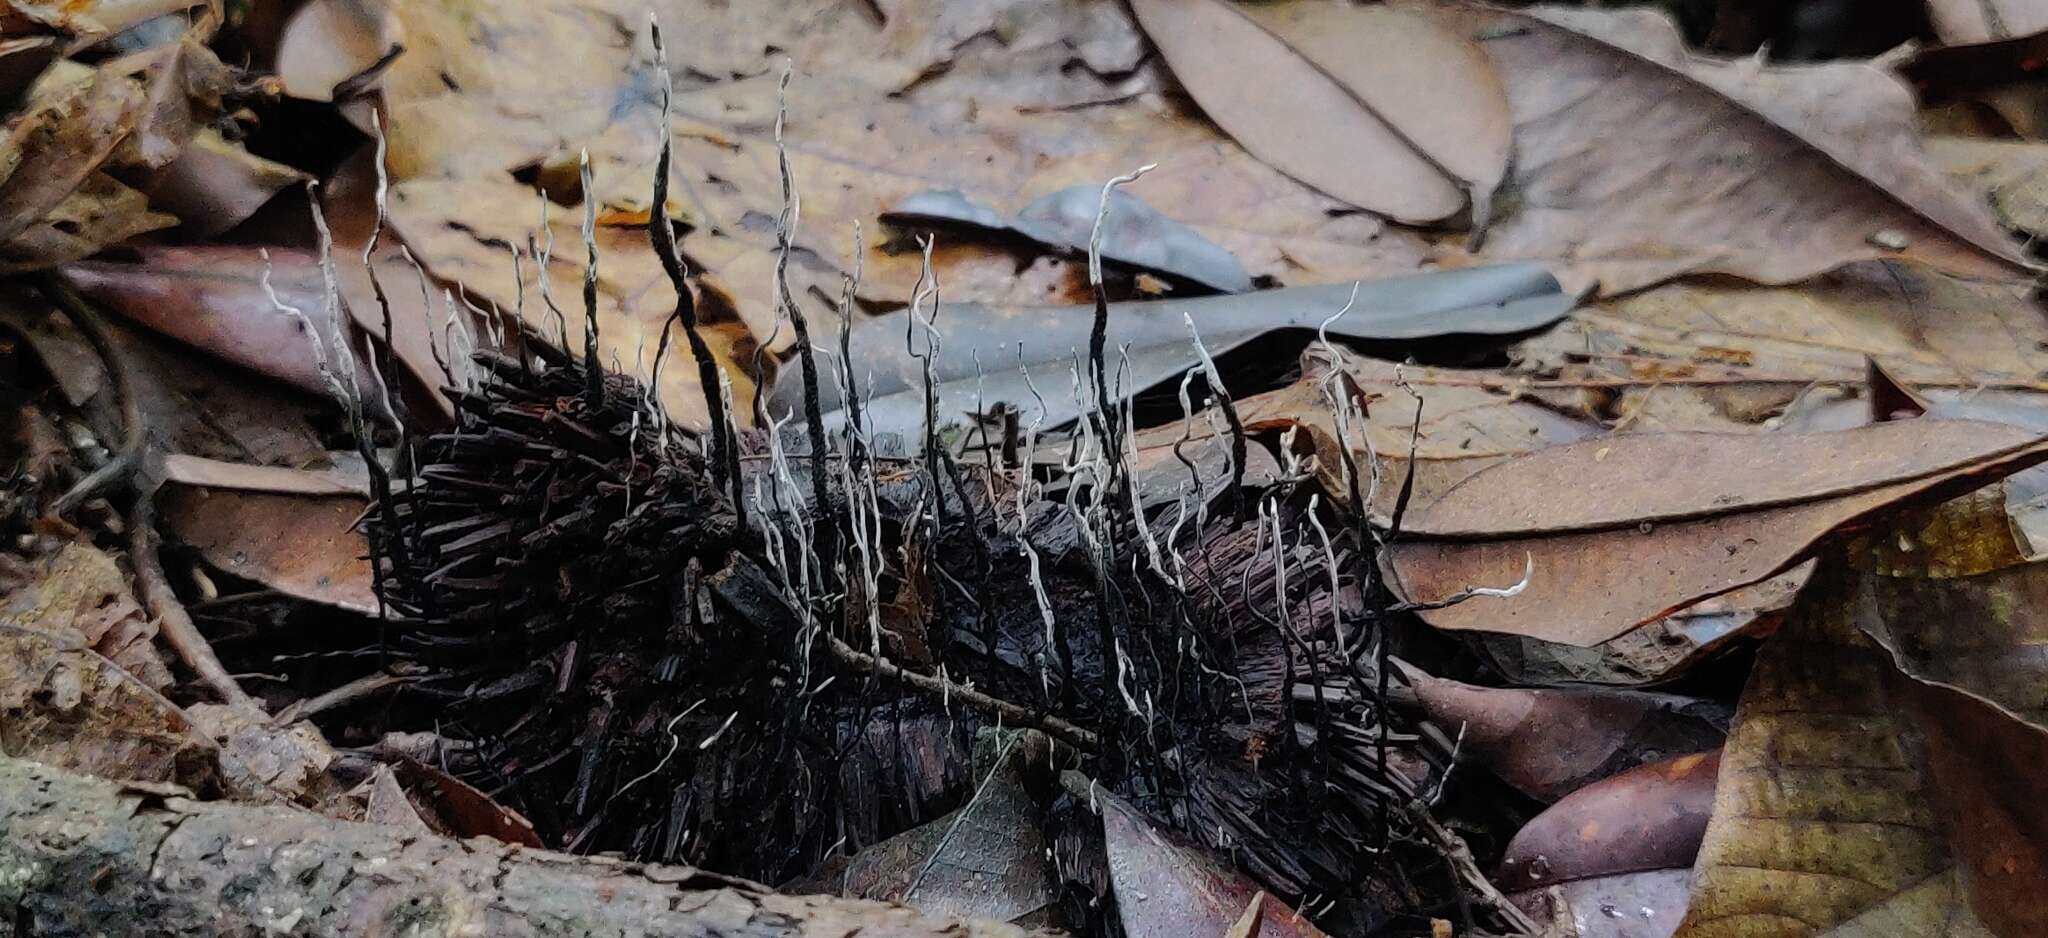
(639, 670)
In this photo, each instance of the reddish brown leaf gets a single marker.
(1549, 743)
(462, 809)
(1648, 818)
(212, 297)
(304, 546)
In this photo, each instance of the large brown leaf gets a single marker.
(213, 298)
(1383, 108)
(1659, 651)
(1466, 421)
(1854, 801)
(1635, 162)
(1588, 584)
(1628, 480)
(1949, 594)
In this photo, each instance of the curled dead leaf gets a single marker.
(1854, 800)
(1384, 109)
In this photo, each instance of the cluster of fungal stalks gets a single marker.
(715, 648)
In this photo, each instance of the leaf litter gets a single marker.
(1777, 460)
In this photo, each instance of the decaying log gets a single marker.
(84, 856)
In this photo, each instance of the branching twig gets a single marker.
(1459, 856)
(342, 696)
(173, 622)
(1014, 714)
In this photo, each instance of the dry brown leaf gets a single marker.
(58, 202)
(300, 545)
(875, 115)
(347, 476)
(1170, 887)
(986, 860)
(1588, 586)
(1384, 109)
(1628, 480)
(1720, 355)
(189, 403)
(1549, 743)
(460, 808)
(63, 704)
(1468, 420)
(215, 185)
(1854, 801)
(70, 129)
(1658, 651)
(1635, 162)
(212, 297)
(183, 85)
(78, 592)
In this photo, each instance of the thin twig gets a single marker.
(125, 460)
(173, 622)
(1066, 732)
(1455, 852)
(342, 696)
